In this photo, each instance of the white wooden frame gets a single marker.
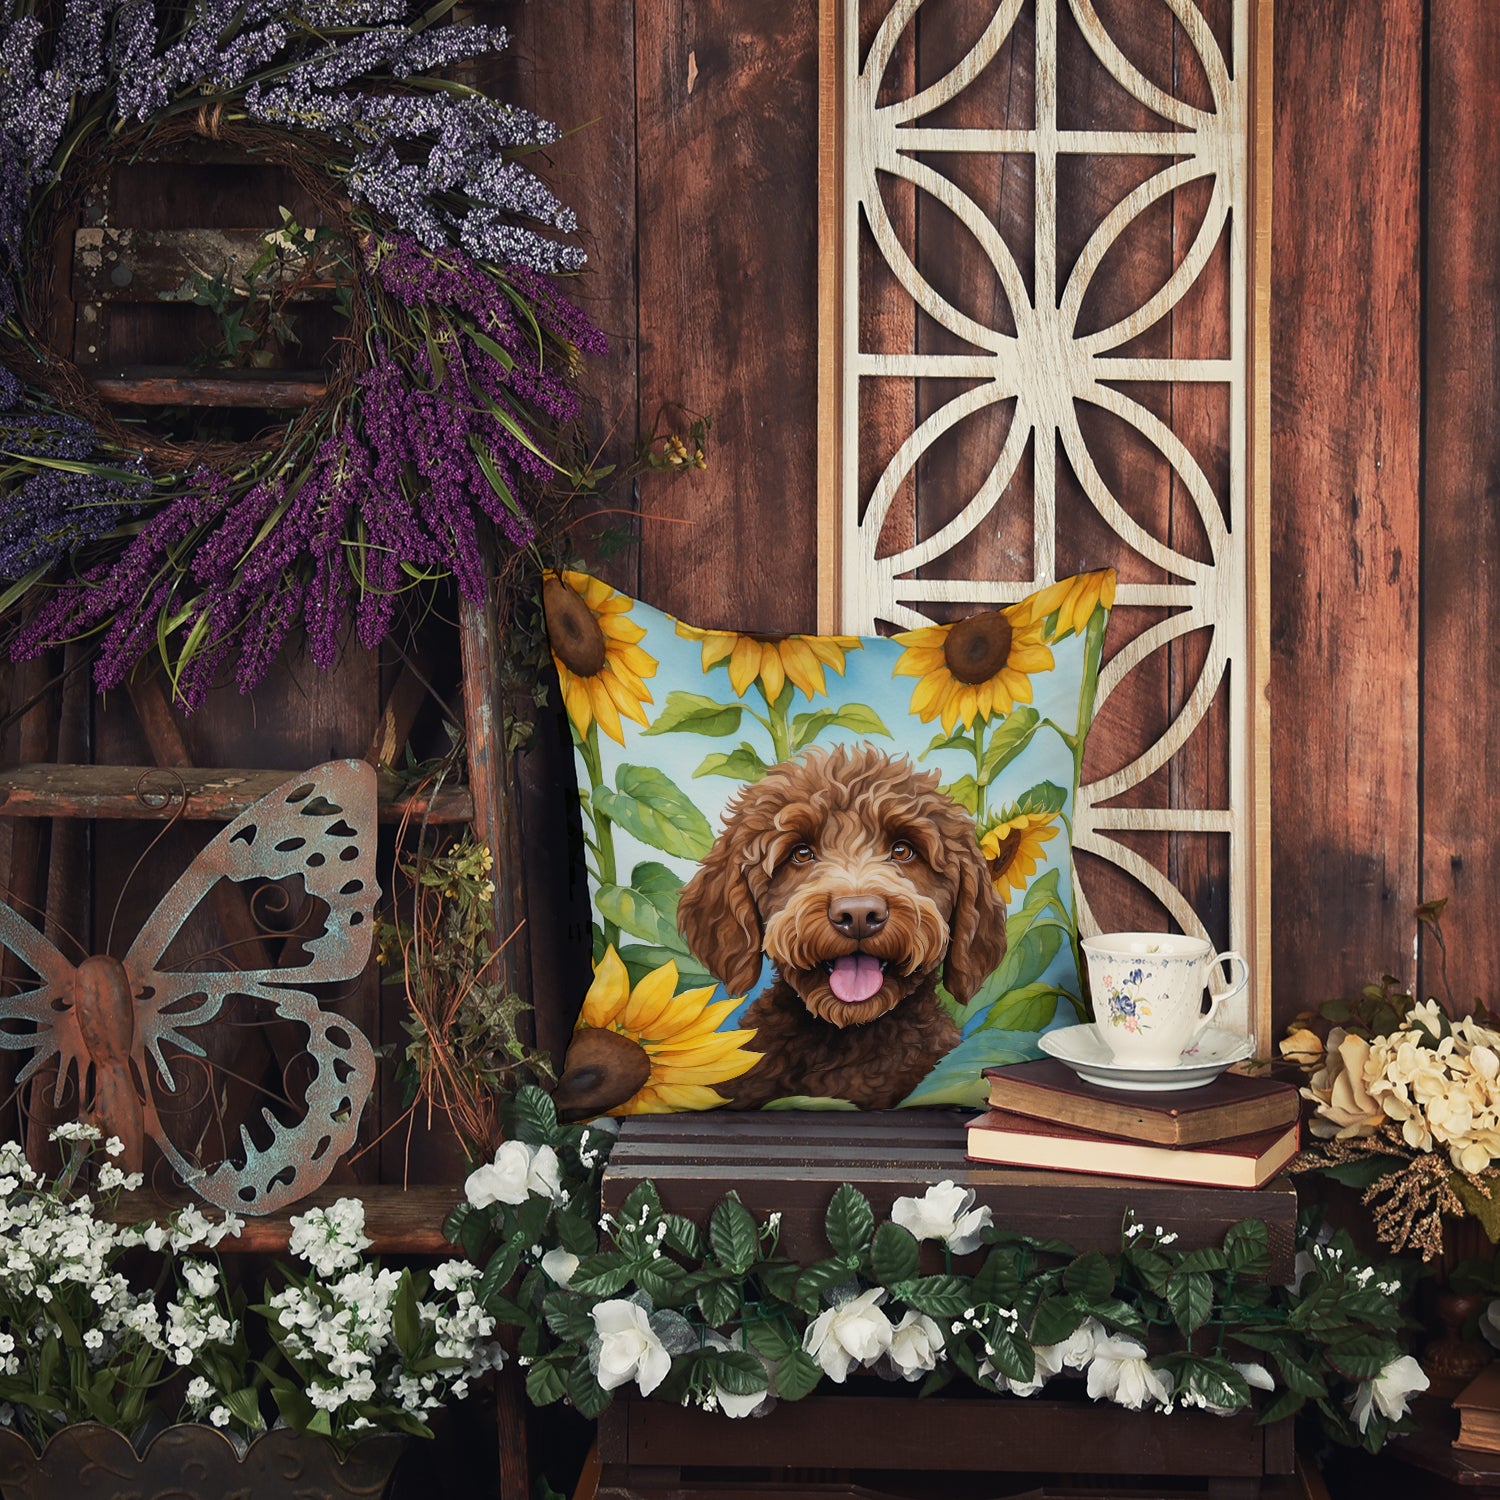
(1231, 144)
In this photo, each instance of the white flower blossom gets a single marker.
(852, 1332)
(332, 1239)
(916, 1345)
(1120, 1373)
(560, 1265)
(517, 1171)
(1071, 1353)
(944, 1212)
(628, 1347)
(1388, 1392)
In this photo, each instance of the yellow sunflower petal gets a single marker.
(604, 709)
(627, 702)
(576, 701)
(644, 1013)
(608, 993)
(772, 671)
(802, 666)
(687, 1097)
(744, 664)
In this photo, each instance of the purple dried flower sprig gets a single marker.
(451, 430)
(440, 443)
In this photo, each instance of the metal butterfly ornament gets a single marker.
(107, 1020)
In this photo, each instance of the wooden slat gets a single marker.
(159, 265)
(1461, 508)
(726, 96)
(397, 1220)
(72, 791)
(942, 1434)
(1345, 446)
(790, 1163)
(160, 385)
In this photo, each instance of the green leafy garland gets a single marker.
(737, 1318)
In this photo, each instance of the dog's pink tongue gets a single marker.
(855, 977)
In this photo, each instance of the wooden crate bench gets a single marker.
(791, 1162)
(866, 1439)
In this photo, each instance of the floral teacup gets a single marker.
(1148, 993)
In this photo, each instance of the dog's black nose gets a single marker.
(858, 916)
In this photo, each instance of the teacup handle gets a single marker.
(1215, 1001)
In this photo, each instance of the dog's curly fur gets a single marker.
(847, 825)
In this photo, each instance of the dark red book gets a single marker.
(1232, 1105)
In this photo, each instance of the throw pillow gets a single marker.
(825, 870)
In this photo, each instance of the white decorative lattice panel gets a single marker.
(1040, 295)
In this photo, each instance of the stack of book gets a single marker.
(1479, 1413)
(1234, 1132)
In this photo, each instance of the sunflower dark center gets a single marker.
(1000, 860)
(976, 649)
(573, 631)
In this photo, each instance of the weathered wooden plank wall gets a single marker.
(692, 162)
(701, 172)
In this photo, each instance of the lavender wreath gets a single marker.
(442, 429)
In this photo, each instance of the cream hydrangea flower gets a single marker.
(1346, 1108)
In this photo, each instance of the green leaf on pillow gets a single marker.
(658, 884)
(955, 741)
(1045, 797)
(858, 717)
(654, 809)
(1030, 1008)
(692, 713)
(808, 1101)
(741, 764)
(634, 912)
(1032, 940)
(964, 791)
(1009, 740)
(956, 1079)
(641, 959)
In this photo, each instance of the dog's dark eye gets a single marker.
(902, 851)
(802, 854)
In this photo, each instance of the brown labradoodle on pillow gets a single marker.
(858, 878)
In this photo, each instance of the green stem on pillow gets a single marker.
(981, 789)
(778, 723)
(604, 834)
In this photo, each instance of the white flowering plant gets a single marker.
(1405, 1105)
(370, 1349)
(83, 1340)
(720, 1317)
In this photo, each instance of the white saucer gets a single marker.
(1081, 1049)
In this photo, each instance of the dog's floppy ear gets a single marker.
(718, 917)
(977, 940)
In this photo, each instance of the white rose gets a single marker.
(916, 1345)
(853, 1332)
(560, 1266)
(1119, 1373)
(628, 1348)
(1388, 1391)
(943, 1212)
(1071, 1353)
(517, 1171)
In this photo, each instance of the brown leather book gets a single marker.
(1478, 1406)
(1015, 1141)
(1232, 1105)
